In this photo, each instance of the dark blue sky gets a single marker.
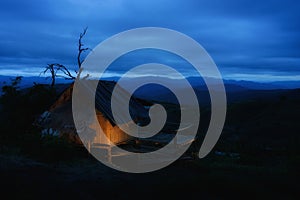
(249, 40)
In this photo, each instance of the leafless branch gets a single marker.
(54, 68)
(80, 48)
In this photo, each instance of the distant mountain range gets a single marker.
(235, 89)
(236, 84)
(251, 84)
(29, 81)
(266, 86)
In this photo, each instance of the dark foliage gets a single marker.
(19, 108)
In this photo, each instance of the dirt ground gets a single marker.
(88, 179)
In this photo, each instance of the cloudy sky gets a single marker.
(248, 40)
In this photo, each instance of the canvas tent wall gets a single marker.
(59, 117)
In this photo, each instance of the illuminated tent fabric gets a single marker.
(59, 117)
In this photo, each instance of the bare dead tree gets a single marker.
(80, 47)
(54, 68)
(81, 50)
(50, 67)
